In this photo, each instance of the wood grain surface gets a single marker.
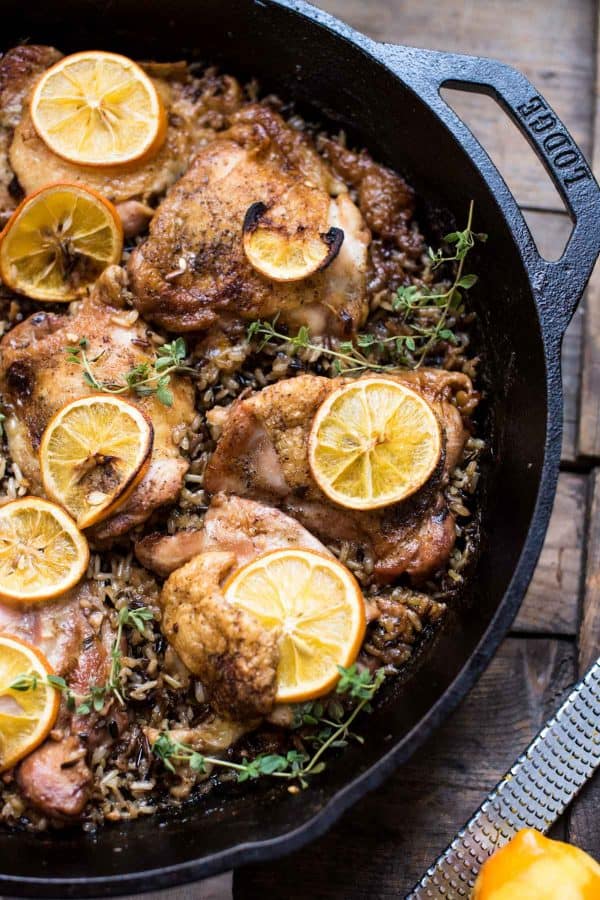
(589, 420)
(383, 844)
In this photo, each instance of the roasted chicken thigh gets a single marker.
(231, 524)
(55, 778)
(234, 656)
(262, 453)
(37, 379)
(192, 269)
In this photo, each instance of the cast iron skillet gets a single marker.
(388, 97)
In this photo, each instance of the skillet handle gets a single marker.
(558, 285)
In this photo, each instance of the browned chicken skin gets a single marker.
(56, 627)
(235, 657)
(386, 201)
(262, 453)
(192, 269)
(56, 779)
(19, 69)
(36, 380)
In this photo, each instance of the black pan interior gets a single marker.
(339, 82)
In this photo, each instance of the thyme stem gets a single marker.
(295, 765)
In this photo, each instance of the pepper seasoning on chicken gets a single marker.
(193, 105)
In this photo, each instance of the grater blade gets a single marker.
(533, 794)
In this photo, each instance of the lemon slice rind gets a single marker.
(97, 108)
(26, 717)
(58, 241)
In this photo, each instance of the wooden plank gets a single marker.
(589, 423)
(552, 602)
(551, 232)
(589, 419)
(381, 846)
(552, 43)
(584, 822)
(589, 637)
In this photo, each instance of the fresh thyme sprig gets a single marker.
(143, 379)
(96, 697)
(298, 765)
(133, 618)
(348, 359)
(412, 348)
(441, 304)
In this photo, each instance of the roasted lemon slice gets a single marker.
(290, 240)
(373, 442)
(58, 241)
(29, 713)
(316, 604)
(42, 552)
(98, 109)
(93, 453)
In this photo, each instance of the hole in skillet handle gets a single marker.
(542, 206)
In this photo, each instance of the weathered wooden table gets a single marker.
(385, 842)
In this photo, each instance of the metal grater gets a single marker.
(533, 794)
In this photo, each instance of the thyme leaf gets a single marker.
(143, 379)
(410, 298)
(98, 694)
(347, 357)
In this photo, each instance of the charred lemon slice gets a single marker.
(290, 240)
(58, 241)
(92, 455)
(318, 608)
(98, 109)
(373, 442)
(42, 552)
(28, 704)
